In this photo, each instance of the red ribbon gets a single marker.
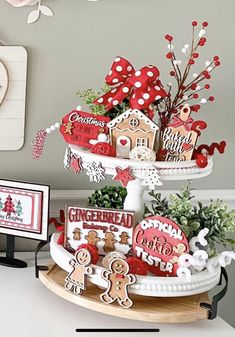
(142, 86)
(176, 121)
(59, 226)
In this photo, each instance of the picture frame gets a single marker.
(24, 209)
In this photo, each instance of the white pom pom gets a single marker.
(52, 127)
(78, 107)
(48, 130)
(57, 125)
(202, 33)
(203, 100)
(170, 46)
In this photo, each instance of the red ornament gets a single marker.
(92, 250)
(168, 37)
(123, 176)
(104, 149)
(205, 24)
(137, 266)
(201, 160)
(158, 241)
(195, 55)
(169, 55)
(194, 23)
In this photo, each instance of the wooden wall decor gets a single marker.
(13, 72)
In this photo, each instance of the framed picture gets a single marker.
(24, 209)
(107, 229)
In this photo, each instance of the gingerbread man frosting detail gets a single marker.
(118, 282)
(76, 281)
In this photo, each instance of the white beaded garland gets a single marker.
(57, 125)
(48, 130)
(52, 127)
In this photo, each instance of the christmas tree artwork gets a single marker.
(1, 204)
(9, 206)
(19, 208)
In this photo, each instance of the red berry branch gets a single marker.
(188, 90)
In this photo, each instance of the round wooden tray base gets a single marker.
(151, 309)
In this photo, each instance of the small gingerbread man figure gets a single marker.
(92, 238)
(77, 279)
(109, 240)
(179, 250)
(124, 238)
(68, 128)
(77, 234)
(118, 281)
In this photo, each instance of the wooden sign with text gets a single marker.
(79, 127)
(159, 242)
(178, 140)
(107, 229)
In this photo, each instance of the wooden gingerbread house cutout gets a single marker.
(132, 128)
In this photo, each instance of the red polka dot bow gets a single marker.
(142, 86)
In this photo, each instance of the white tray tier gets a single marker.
(145, 285)
(167, 170)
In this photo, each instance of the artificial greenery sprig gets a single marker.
(108, 197)
(192, 218)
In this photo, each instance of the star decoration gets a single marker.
(151, 179)
(68, 128)
(95, 172)
(123, 176)
(76, 164)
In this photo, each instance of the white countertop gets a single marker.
(29, 309)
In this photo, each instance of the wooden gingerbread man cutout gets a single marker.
(123, 238)
(109, 240)
(118, 281)
(92, 238)
(178, 139)
(76, 280)
(77, 234)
